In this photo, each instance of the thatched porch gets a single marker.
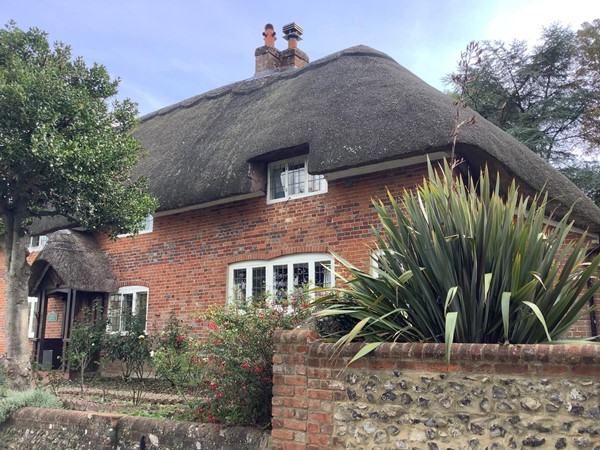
(69, 273)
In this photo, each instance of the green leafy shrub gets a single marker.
(132, 351)
(174, 360)
(461, 261)
(86, 340)
(227, 377)
(15, 400)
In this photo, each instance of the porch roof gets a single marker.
(77, 260)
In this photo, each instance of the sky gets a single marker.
(167, 51)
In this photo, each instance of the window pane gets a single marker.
(148, 223)
(296, 178)
(323, 274)
(259, 282)
(141, 307)
(315, 182)
(276, 177)
(280, 278)
(126, 311)
(300, 274)
(32, 316)
(114, 313)
(239, 284)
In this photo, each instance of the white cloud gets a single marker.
(517, 19)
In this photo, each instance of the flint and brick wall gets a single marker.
(405, 396)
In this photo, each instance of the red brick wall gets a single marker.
(56, 305)
(184, 261)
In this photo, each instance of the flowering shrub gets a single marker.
(86, 339)
(227, 378)
(132, 351)
(174, 360)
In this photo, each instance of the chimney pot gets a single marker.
(292, 33)
(269, 35)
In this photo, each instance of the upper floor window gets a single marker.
(130, 302)
(148, 226)
(290, 179)
(276, 278)
(36, 243)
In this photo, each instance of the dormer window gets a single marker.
(290, 179)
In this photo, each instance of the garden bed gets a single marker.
(153, 398)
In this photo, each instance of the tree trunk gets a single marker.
(17, 364)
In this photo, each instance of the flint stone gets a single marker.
(499, 392)
(530, 404)
(533, 441)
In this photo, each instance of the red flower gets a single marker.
(180, 338)
(257, 369)
(245, 365)
(214, 386)
(212, 326)
(212, 419)
(219, 396)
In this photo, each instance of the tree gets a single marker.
(65, 152)
(547, 96)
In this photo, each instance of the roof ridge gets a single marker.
(262, 81)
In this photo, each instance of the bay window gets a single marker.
(276, 278)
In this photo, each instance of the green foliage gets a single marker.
(175, 360)
(37, 398)
(132, 350)
(460, 261)
(86, 341)
(547, 96)
(227, 377)
(65, 150)
(586, 175)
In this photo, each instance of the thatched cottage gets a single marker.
(258, 181)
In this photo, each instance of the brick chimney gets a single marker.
(269, 58)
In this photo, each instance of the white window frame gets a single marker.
(32, 322)
(302, 258)
(134, 307)
(308, 179)
(42, 239)
(148, 227)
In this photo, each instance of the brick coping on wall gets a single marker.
(578, 359)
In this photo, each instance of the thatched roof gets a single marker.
(77, 260)
(350, 109)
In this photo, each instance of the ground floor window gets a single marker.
(130, 301)
(277, 278)
(32, 316)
